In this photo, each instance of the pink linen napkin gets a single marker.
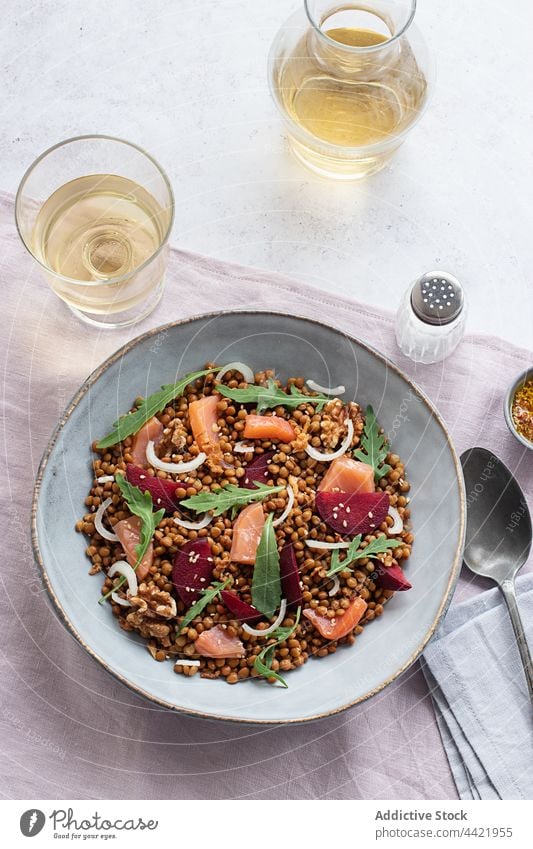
(70, 730)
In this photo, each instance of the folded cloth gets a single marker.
(475, 675)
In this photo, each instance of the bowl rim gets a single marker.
(137, 689)
(507, 403)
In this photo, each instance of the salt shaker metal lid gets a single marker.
(431, 317)
(437, 298)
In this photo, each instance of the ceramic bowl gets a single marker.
(292, 346)
(508, 405)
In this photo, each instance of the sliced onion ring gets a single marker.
(183, 662)
(397, 527)
(326, 546)
(327, 458)
(127, 571)
(288, 508)
(279, 619)
(245, 370)
(98, 524)
(195, 526)
(242, 448)
(326, 390)
(173, 468)
(336, 586)
(119, 600)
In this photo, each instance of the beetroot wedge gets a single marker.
(392, 579)
(192, 571)
(163, 492)
(257, 470)
(290, 576)
(238, 608)
(353, 513)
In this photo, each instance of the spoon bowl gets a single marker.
(498, 530)
(498, 533)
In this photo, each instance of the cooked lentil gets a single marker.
(152, 615)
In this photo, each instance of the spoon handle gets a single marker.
(509, 593)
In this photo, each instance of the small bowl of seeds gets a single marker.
(518, 408)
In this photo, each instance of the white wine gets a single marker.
(99, 229)
(352, 111)
(349, 100)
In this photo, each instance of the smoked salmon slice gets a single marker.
(152, 431)
(347, 475)
(247, 532)
(268, 427)
(128, 532)
(339, 626)
(216, 642)
(203, 418)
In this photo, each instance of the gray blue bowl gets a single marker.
(292, 346)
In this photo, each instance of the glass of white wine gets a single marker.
(96, 213)
(350, 79)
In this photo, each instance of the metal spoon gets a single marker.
(498, 533)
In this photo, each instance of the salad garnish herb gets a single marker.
(377, 546)
(270, 396)
(141, 505)
(207, 596)
(229, 497)
(266, 583)
(263, 661)
(374, 446)
(130, 423)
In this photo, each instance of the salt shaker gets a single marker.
(431, 318)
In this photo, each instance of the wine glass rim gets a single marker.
(102, 137)
(350, 48)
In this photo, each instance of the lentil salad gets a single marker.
(238, 512)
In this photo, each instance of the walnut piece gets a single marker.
(150, 606)
(332, 429)
(300, 442)
(174, 439)
(153, 602)
(178, 436)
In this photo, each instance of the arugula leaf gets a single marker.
(263, 661)
(230, 496)
(266, 583)
(141, 505)
(130, 423)
(374, 446)
(354, 553)
(284, 632)
(269, 396)
(208, 596)
(264, 670)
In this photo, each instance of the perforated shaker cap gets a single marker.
(437, 297)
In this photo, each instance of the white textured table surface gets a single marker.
(187, 80)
